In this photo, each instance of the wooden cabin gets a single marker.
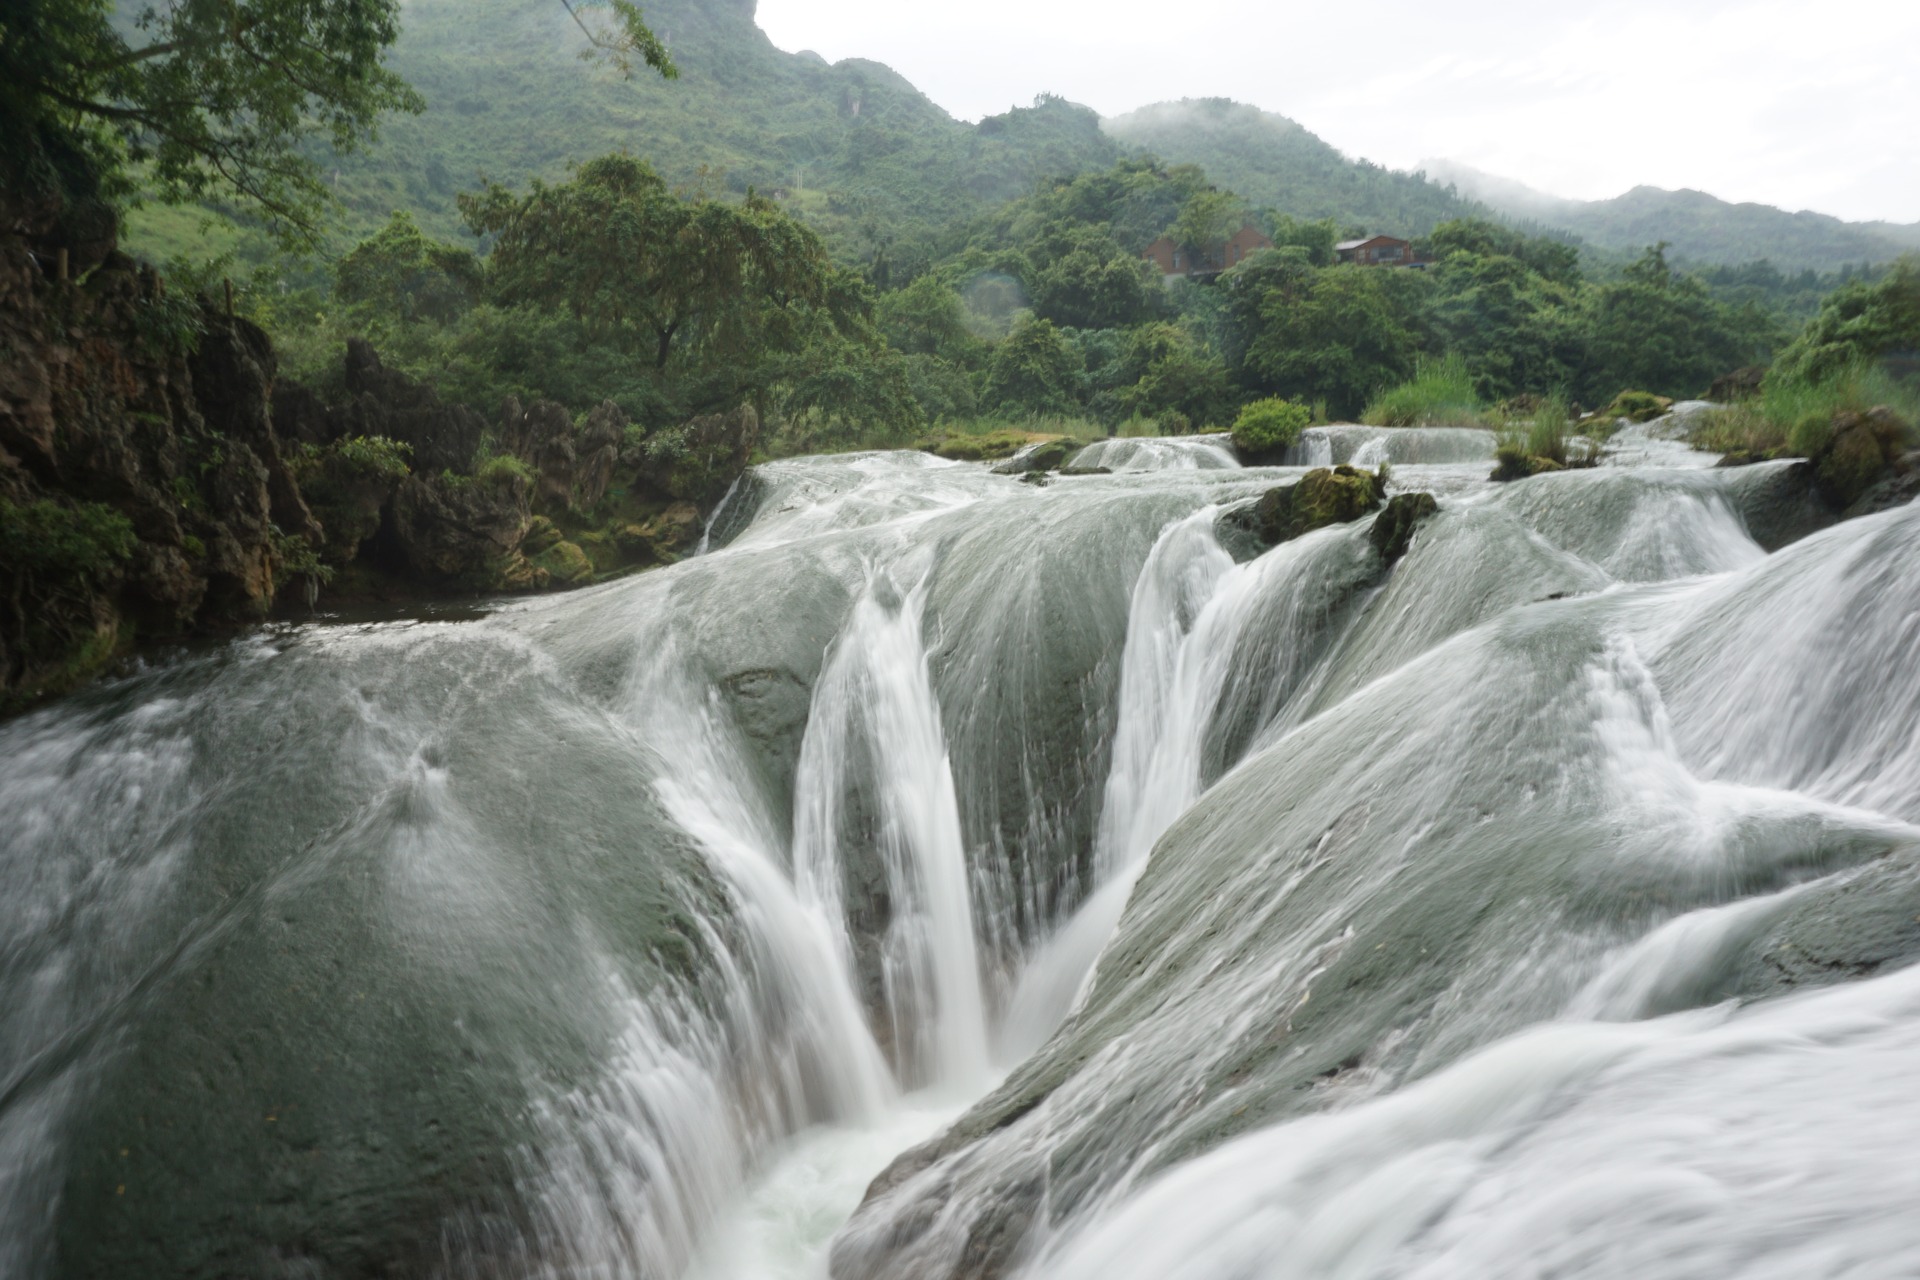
(1377, 251)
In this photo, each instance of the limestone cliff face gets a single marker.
(142, 486)
(158, 480)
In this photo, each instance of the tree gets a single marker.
(1207, 219)
(401, 272)
(1166, 372)
(1337, 334)
(1517, 330)
(652, 273)
(1095, 284)
(926, 318)
(196, 99)
(1657, 330)
(1034, 370)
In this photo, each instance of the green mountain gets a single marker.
(1276, 163)
(873, 163)
(852, 146)
(1701, 228)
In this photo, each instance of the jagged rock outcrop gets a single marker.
(697, 462)
(158, 478)
(143, 489)
(457, 533)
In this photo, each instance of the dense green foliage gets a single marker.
(825, 244)
(613, 286)
(402, 273)
(1270, 425)
(1860, 323)
(47, 548)
(204, 97)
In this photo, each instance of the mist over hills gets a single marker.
(1277, 163)
(1700, 227)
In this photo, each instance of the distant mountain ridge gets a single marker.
(1277, 163)
(507, 97)
(860, 152)
(1701, 228)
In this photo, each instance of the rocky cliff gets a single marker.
(158, 480)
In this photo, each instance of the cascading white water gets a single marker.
(1370, 933)
(1171, 453)
(874, 710)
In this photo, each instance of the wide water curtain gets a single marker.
(945, 875)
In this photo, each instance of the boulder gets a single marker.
(457, 533)
(1394, 527)
(1046, 455)
(1861, 451)
(1741, 384)
(565, 564)
(1324, 496)
(1518, 464)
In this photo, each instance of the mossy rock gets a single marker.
(1860, 452)
(565, 564)
(1518, 464)
(986, 448)
(1393, 529)
(1048, 455)
(1324, 496)
(541, 535)
(514, 572)
(1637, 406)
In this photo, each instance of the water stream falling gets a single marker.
(944, 876)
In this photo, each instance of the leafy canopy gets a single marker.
(655, 274)
(190, 100)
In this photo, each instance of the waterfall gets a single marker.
(874, 711)
(1540, 902)
(1171, 453)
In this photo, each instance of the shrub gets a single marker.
(1270, 425)
(500, 470)
(1741, 429)
(1795, 415)
(374, 455)
(47, 547)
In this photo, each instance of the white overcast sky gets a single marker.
(1797, 103)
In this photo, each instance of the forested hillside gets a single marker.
(1275, 162)
(853, 147)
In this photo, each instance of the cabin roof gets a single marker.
(1362, 243)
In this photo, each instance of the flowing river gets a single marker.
(949, 876)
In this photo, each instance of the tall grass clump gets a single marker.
(1547, 433)
(1440, 394)
(1793, 416)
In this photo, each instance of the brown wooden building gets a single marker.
(1174, 259)
(1377, 251)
